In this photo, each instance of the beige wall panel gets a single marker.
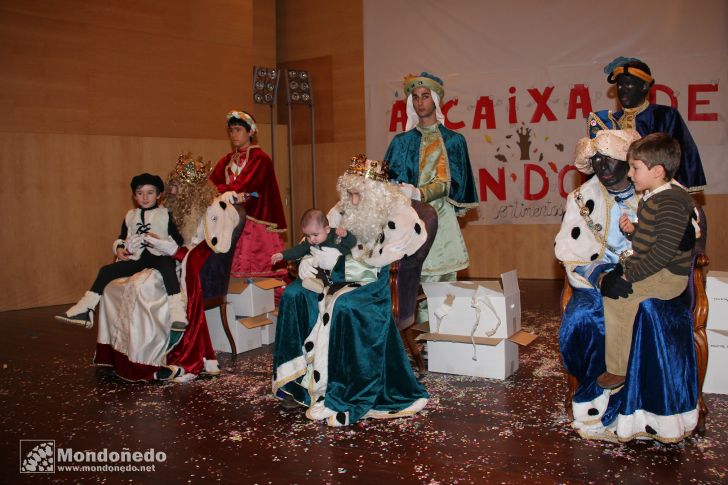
(64, 198)
(301, 185)
(325, 37)
(264, 48)
(163, 16)
(195, 19)
(349, 98)
(496, 249)
(178, 90)
(172, 76)
(312, 29)
(226, 22)
(332, 160)
(308, 28)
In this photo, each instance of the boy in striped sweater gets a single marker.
(662, 243)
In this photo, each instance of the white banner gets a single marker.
(520, 99)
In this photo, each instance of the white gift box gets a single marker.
(252, 296)
(716, 288)
(475, 327)
(269, 331)
(245, 338)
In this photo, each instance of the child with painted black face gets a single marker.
(133, 254)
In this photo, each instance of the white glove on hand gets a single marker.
(307, 267)
(326, 257)
(334, 216)
(163, 246)
(134, 243)
(410, 191)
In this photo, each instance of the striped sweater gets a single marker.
(663, 220)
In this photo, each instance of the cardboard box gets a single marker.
(716, 288)
(269, 331)
(264, 324)
(492, 349)
(716, 379)
(252, 296)
(245, 338)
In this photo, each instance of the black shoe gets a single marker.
(82, 319)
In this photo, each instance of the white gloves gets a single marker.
(133, 243)
(163, 246)
(307, 268)
(410, 191)
(325, 258)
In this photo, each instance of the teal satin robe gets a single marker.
(450, 189)
(366, 370)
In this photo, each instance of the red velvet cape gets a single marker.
(257, 176)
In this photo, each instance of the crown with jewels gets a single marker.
(191, 171)
(370, 169)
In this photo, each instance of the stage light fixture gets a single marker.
(265, 84)
(299, 87)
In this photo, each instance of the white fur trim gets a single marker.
(581, 409)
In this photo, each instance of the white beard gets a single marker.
(366, 219)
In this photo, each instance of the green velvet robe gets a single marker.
(342, 356)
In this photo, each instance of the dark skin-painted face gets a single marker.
(631, 90)
(611, 173)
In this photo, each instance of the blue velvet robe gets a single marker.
(660, 396)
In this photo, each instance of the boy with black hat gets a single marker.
(134, 254)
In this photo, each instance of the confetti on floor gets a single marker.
(231, 429)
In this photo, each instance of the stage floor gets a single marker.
(230, 429)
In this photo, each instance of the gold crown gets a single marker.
(370, 169)
(191, 171)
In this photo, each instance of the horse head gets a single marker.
(220, 221)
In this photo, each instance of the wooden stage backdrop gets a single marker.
(92, 93)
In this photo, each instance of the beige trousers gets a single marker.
(619, 315)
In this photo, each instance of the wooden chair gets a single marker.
(404, 283)
(215, 278)
(699, 306)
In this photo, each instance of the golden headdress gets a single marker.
(190, 171)
(370, 169)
